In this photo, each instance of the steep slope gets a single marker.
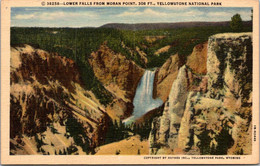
(119, 76)
(168, 72)
(51, 112)
(210, 114)
(165, 76)
(197, 61)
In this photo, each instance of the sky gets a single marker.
(97, 16)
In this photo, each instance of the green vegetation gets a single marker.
(53, 130)
(116, 131)
(76, 44)
(224, 140)
(204, 144)
(79, 43)
(39, 143)
(77, 132)
(143, 129)
(72, 149)
(236, 23)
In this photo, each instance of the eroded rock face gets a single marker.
(231, 82)
(165, 76)
(119, 76)
(215, 120)
(142, 55)
(165, 129)
(47, 95)
(197, 61)
(229, 65)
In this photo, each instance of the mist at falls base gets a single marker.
(143, 100)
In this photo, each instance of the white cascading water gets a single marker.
(143, 100)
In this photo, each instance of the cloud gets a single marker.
(146, 12)
(244, 15)
(192, 13)
(219, 14)
(161, 14)
(55, 15)
(175, 9)
(24, 16)
(133, 9)
(32, 9)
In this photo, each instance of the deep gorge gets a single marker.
(196, 99)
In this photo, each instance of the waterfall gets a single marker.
(143, 100)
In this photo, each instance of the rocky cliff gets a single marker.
(168, 72)
(197, 61)
(165, 76)
(119, 76)
(51, 112)
(210, 114)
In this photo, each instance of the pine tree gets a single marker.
(236, 23)
(64, 152)
(117, 152)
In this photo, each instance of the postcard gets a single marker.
(129, 82)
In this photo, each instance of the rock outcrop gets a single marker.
(119, 76)
(197, 61)
(142, 55)
(47, 101)
(169, 123)
(213, 116)
(166, 74)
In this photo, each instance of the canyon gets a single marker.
(198, 105)
(49, 102)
